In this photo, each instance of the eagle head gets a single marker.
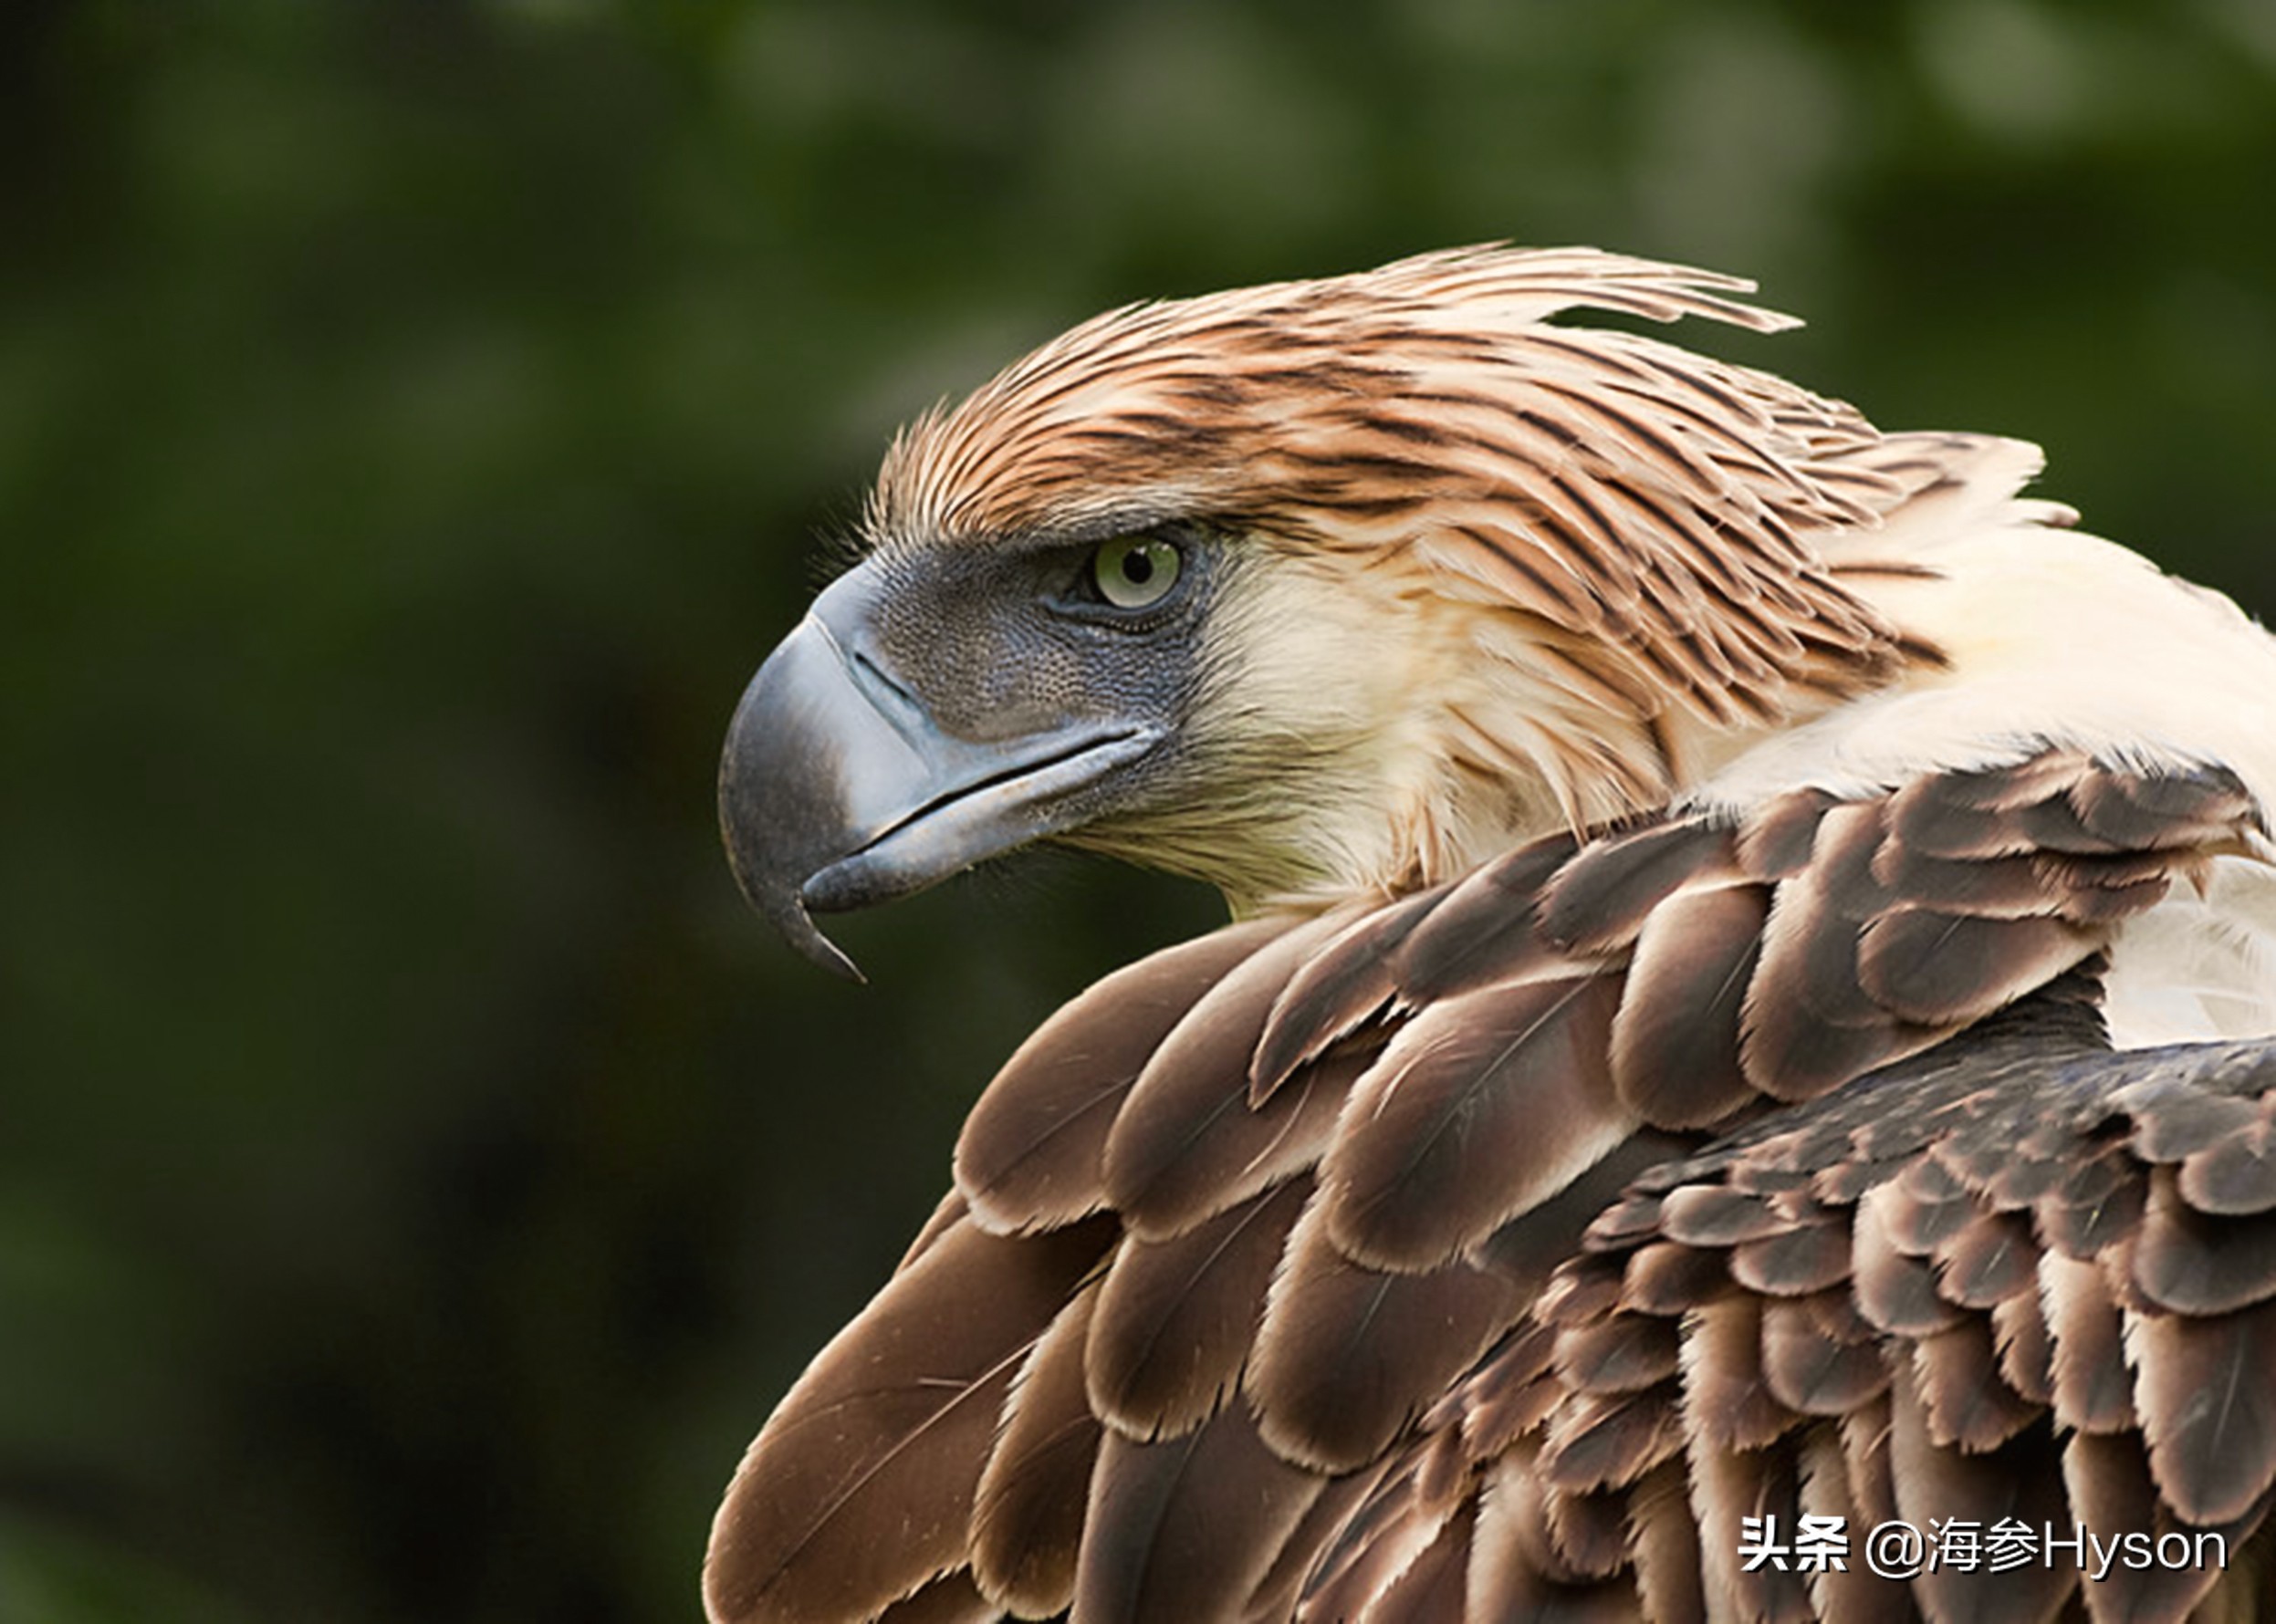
(1314, 590)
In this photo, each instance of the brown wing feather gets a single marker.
(1479, 1108)
(1291, 1264)
(1970, 1415)
(1026, 1515)
(1031, 1153)
(1154, 1545)
(1348, 1355)
(890, 1428)
(1176, 1316)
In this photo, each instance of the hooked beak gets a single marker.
(838, 789)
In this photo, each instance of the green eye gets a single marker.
(1133, 571)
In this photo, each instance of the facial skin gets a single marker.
(939, 705)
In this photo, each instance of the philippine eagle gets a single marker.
(1737, 1027)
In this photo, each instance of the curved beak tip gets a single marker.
(781, 905)
(777, 896)
(798, 929)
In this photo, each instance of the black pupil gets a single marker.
(1138, 566)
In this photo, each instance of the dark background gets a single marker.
(418, 1173)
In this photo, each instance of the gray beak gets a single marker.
(838, 789)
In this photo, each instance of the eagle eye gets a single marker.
(1135, 572)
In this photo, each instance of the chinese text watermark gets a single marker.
(1899, 1550)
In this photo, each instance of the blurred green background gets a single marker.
(418, 1173)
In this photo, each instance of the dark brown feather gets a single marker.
(1848, 1591)
(1509, 1395)
(1589, 1533)
(1842, 880)
(1727, 1487)
(1865, 1449)
(1811, 1371)
(1431, 1588)
(2206, 1394)
(1997, 888)
(1188, 1144)
(1777, 841)
(1599, 902)
(1154, 1545)
(1583, 1289)
(1968, 1405)
(1973, 814)
(2054, 824)
(1666, 1278)
(891, 1427)
(1349, 1354)
(1896, 1292)
(2092, 1389)
(1798, 1050)
(2238, 1176)
(2172, 809)
(2113, 1496)
(1729, 1403)
(1717, 1215)
(1027, 1515)
(1484, 930)
(2197, 1263)
(1176, 1317)
(1298, 1560)
(1609, 1440)
(1674, 1041)
(1617, 1355)
(1196, 1080)
(1988, 1261)
(2096, 1204)
(1392, 1526)
(1936, 1485)
(1334, 993)
(1794, 1262)
(2025, 1347)
(1940, 969)
(1479, 1108)
(1924, 1207)
(1665, 1547)
(2177, 1122)
(1030, 1154)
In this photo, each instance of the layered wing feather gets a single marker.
(1492, 1251)
(1883, 1311)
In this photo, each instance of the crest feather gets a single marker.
(1658, 505)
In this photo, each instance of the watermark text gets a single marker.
(1899, 1550)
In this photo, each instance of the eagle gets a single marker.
(1738, 1084)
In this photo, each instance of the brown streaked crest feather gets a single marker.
(1650, 508)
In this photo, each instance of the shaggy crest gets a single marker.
(1653, 506)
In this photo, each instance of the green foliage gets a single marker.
(419, 1175)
